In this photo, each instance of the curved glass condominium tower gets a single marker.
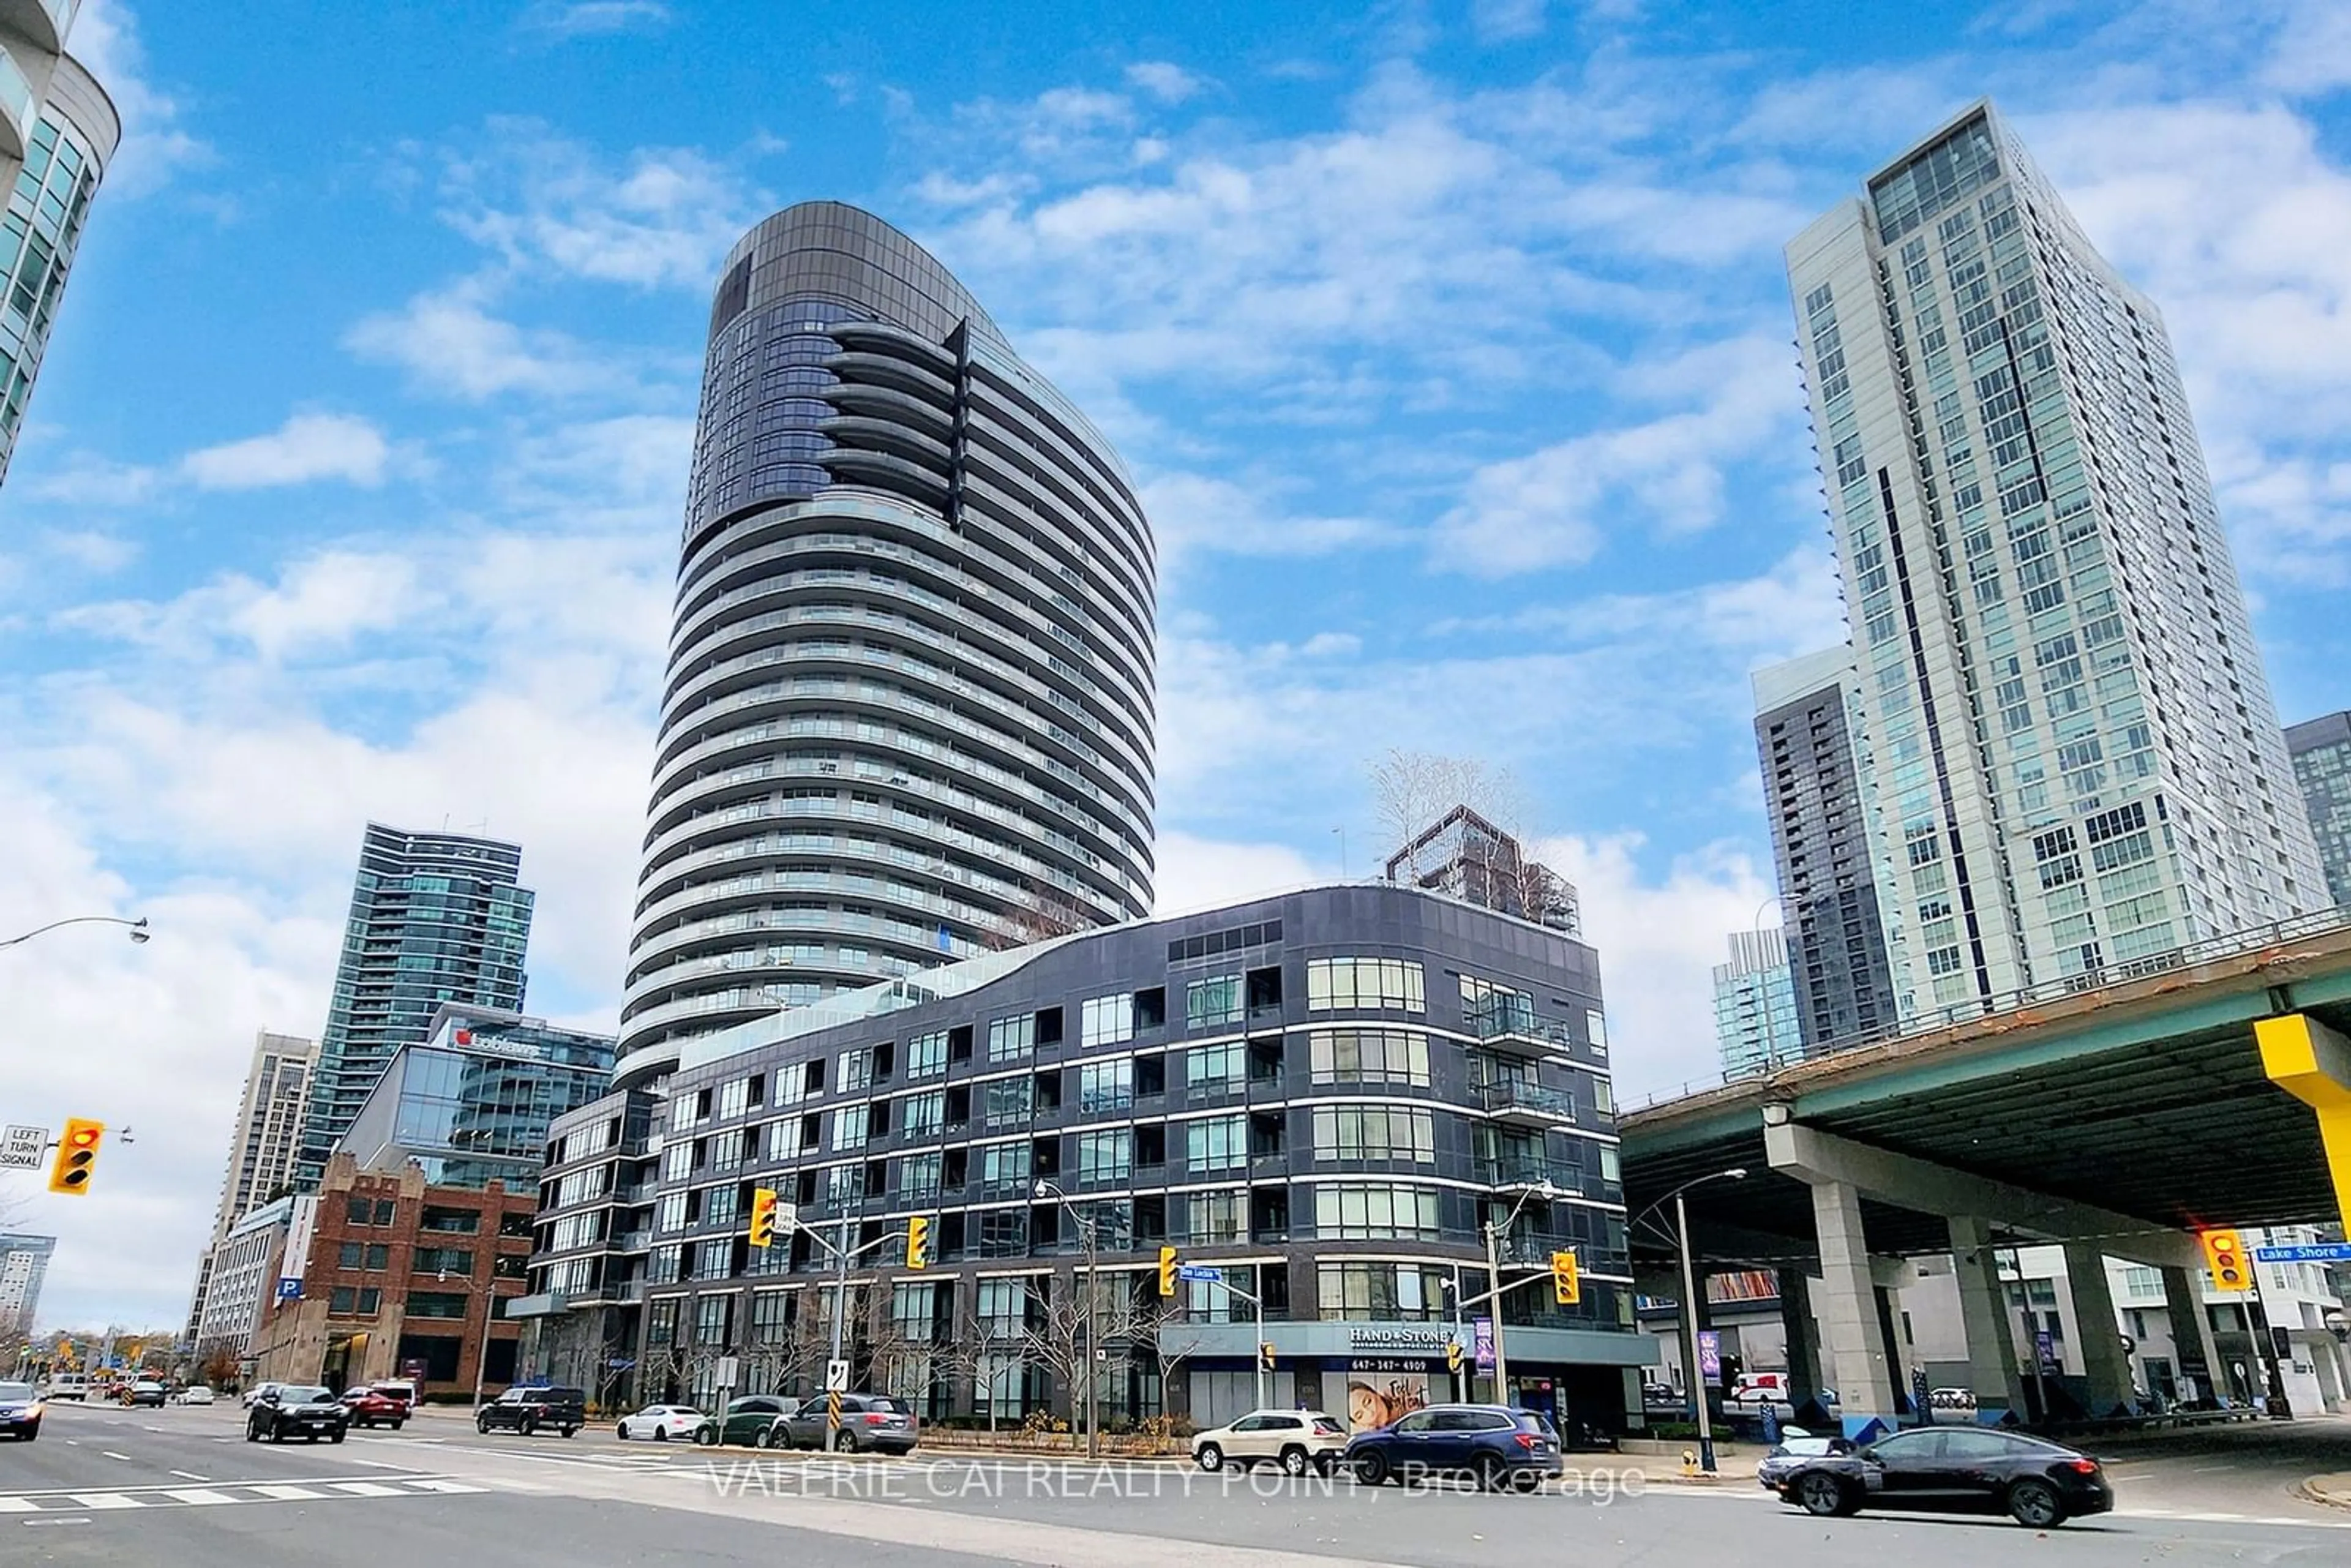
(909, 712)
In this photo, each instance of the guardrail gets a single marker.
(2295, 928)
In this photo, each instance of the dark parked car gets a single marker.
(1497, 1445)
(755, 1419)
(20, 1410)
(146, 1393)
(298, 1410)
(375, 1408)
(1795, 1447)
(1954, 1469)
(882, 1423)
(525, 1410)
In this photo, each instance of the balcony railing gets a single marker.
(1528, 1099)
(1527, 1170)
(1521, 1033)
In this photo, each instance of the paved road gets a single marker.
(111, 1487)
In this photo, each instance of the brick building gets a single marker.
(393, 1269)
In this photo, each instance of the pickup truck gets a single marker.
(526, 1409)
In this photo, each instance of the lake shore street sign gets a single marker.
(2307, 1252)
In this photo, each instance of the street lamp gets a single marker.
(1086, 1230)
(1494, 1234)
(138, 932)
(1690, 1300)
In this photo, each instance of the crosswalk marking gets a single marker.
(99, 1501)
(18, 1505)
(310, 1489)
(285, 1492)
(366, 1488)
(450, 1488)
(199, 1495)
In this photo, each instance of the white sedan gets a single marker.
(1294, 1439)
(199, 1395)
(661, 1423)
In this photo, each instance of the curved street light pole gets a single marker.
(138, 932)
(1690, 1301)
(1086, 1369)
(1494, 1234)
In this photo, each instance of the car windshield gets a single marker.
(890, 1402)
(1329, 1424)
(1806, 1447)
(305, 1395)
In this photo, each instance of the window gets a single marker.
(856, 1069)
(1216, 1066)
(1217, 1215)
(1004, 1167)
(1217, 1143)
(770, 1316)
(1368, 1056)
(1395, 983)
(670, 1214)
(454, 1261)
(721, 1205)
(849, 1126)
(1106, 1020)
(1107, 1156)
(713, 1259)
(1106, 1085)
(1009, 1100)
(713, 1316)
(1012, 1039)
(1375, 1132)
(348, 1255)
(448, 1305)
(730, 1149)
(1004, 1233)
(926, 1056)
(1381, 1293)
(355, 1210)
(677, 1161)
(1347, 1212)
(582, 1185)
(918, 1177)
(735, 1099)
(1213, 1001)
(662, 1265)
(342, 1301)
(844, 1182)
(1492, 1010)
(383, 1211)
(661, 1321)
(784, 1141)
(371, 1300)
(922, 1115)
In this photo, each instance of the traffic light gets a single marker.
(1167, 1270)
(1265, 1355)
(1453, 1356)
(1566, 1286)
(918, 1241)
(2224, 1257)
(77, 1156)
(763, 1216)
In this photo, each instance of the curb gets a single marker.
(2328, 1491)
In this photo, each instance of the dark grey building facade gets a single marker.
(1813, 796)
(2321, 749)
(581, 1320)
(1321, 1097)
(435, 918)
(910, 709)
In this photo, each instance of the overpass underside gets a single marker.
(2117, 1122)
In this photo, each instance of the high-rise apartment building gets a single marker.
(24, 1264)
(1830, 847)
(435, 918)
(2321, 749)
(910, 699)
(57, 129)
(263, 1144)
(2075, 752)
(1755, 1006)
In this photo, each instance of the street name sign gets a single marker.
(2307, 1252)
(1198, 1272)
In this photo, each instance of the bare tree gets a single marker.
(1055, 1339)
(1040, 912)
(1161, 1326)
(216, 1363)
(971, 1351)
(778, 1354)
(1410, 789)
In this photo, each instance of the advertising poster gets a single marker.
(1381, 1393)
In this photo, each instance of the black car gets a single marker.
(20, 1410)
(1960, 1469)
(295, 1410)
(525, 1410)
(1498, 1445)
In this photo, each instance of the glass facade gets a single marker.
(910, 713)
(65, 130)
(2322, 766)
(476, 1099)
(435, 919)
(1756, 1025)
(2030, 560)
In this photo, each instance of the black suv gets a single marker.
(525, 1410)
(295, 1410)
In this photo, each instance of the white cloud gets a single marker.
(1558, 505)
(585, 18)
(1168, 82)
(449, 342)
(2311, 54)
(1200, 512)
(1506, 21)
(306, 448)
(1195, 873)
(155, 145)
(92, 551)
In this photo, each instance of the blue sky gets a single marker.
(1450, 343)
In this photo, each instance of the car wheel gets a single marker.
(251, 1433)
(707, 1436)
(622, 1431)
(566, 1431)
(845, 1442)
(396, 1426)
(1371, 1470)
(661, 1434)
(1526, 1483)
(529, 1424)
(1489, 1474)
(1293, 1461)
(2034, 1503)
(336, 1438)
(482, 1424)
(764, 1439)
(1209, 1457)
(1822, 1495)
(1326, 1464)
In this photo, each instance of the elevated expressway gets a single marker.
(2115, 1119)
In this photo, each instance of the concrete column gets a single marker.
(2103, 1364)
(1984, 1315)
(2313, 1064)
(2192, 1350)
(1848, 1305)
(2320, 1348)
(1796, 1327)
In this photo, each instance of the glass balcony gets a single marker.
(1521, 1033)
(1528, 1104)
(1527, 1170)
(16, 106)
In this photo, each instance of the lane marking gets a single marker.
(190, 1476)
(373, 1464)
(110, 1454)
